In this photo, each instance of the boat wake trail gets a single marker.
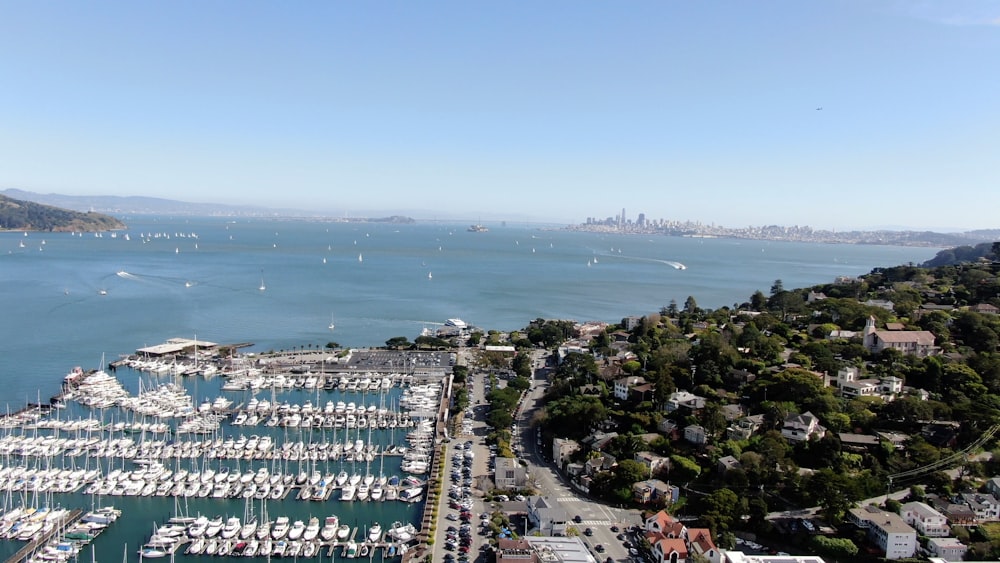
(672, 263)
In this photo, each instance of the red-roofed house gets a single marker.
(672, 542)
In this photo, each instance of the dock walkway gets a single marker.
(25, 552)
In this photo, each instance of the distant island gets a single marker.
(20, 215)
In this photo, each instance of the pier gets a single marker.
(25, 552)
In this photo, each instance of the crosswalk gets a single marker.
(569, 499)
(595, 523)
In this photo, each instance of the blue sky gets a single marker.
(542, 111)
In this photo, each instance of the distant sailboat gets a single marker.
(430, 275)
(262, 286)
(331, 323)
(360, 258)
(324, 260)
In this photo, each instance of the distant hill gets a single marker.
(141, 205)
(962, 255)
(135, 205)
(21, 215)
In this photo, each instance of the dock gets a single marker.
(25, 552)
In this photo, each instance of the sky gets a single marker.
(834, 114)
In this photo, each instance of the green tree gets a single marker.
(398, 342)
(837, 549)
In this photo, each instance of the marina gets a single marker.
(303, 442)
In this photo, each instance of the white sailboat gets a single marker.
(360, 258)
(262, 286)
(331, 327)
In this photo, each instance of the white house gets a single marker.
(886, 530)
(623, 384)
(801, 427)
(547, 516)
(949, 549)
(926, 520)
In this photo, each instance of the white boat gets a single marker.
(329, 530)
(262, 286)
(297, 529)
(375, 532)
(312, 529)
(343, 532)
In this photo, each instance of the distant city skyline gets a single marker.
(835, 114)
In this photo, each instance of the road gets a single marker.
(595, 515)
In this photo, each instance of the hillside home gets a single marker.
(949, 549)
(926, 520)
(984, 309)
(672, 542)
(652, 461)
(562, 449)
(623, 384)
(745, 427)
(695, 434)
(984, 505)
(801, 427)
(851, 385)
(887, 530)
(654, 491)
(684, 399)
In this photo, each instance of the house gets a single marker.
(509, 474)
(728, 462)
(887, 530)
(957, 514)
(546, 516)
(852, 386)
(695, 434)
(911, 342)
(984, 309)
(685, 399)
(858, 442)
(653, 462)
(926, 520)
(984, 505)
(562, 448)
(993, 486)
(631, 323)
(881, 304)
(654, 491)
(839, 334)
(801, 427)
(815, 296)
(668, 428)
(598, 463)
(700, 543)
(515, 550)
(623, 384)
(949, 549)
(671, 541)
(745, 427)
(598, 439)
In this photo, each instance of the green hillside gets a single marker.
(19, 215)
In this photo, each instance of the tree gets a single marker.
(777, 288)
(332, 345)
(683, 468)
(690, 305)
(838, 549)
(398, 342)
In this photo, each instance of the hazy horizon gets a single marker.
(839, 114)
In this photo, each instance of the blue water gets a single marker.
(54, 316)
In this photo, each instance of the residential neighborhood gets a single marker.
(781, 423)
